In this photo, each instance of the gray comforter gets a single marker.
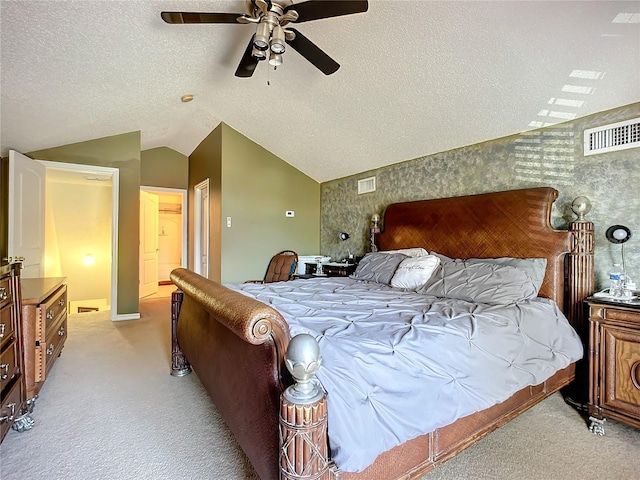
(397, 364)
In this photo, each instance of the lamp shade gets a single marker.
(618, 234)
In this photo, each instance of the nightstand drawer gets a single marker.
(620, 389)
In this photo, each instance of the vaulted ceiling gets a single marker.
(415, 78)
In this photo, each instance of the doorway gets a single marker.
(81, 243)
(170, 240)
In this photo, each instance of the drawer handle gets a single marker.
(50, 349)
(9, 418)
(635, 375)
(61, 302)
(3, 294)
(2, 327)
(61, 332)
(5, 375)
(49, 314)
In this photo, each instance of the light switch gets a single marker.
(289, 213)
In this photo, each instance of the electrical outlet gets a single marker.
(289, 213)
(228, 221)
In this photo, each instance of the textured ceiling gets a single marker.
(416, 77)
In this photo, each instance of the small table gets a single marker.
(614, 362)
(335, 269)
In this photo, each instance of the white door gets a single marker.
(201, 236)
(148, 244)
(26, 213)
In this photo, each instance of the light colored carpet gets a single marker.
(110, 411)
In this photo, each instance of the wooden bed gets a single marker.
(238, 346)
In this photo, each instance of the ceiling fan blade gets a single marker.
(317, 9)
(194, 17)
(248, 62)
(312, 52)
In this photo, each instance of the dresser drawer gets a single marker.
(9, 366)
(7, 328)
(55, 342)
(10, 408)
(54, 307)
(5, 291)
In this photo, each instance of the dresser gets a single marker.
(12, 380)
(614, 363)
(44, 327)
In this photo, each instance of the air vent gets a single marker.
(367, 185)
(610, 138)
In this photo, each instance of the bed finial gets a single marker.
(303, 414)
(303, 360)
(581, 265)
(581, 206)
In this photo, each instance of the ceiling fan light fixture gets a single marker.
(275, 59)
(261, 39)
(259, 54)
(277, 40)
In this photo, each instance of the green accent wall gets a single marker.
(205, 162)
(255, 188)
(121, 152)
(164, 167)
(551, 156)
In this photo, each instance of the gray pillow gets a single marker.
(378, 267)
(534, 267)
(480, 283)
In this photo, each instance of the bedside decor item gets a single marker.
(373, 231)
(620, 283)
(344, 236)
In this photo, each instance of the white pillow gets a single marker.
(414, 272)
(409, 252)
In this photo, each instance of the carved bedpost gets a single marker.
(581, 265)
(303, 415)
(179, 364)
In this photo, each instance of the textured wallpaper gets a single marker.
(551, 156)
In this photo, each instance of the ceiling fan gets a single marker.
(272, 18)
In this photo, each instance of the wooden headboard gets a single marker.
(514, 223)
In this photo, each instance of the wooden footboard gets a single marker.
(236, 346)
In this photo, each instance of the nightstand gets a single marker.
(614, 362)
(335, 269)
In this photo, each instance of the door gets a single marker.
(201, 247)
(148, 244)
(26, 213)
